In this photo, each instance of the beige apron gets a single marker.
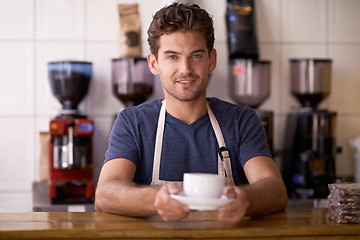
(224, 164)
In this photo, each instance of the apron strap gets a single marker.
(224, 163)
(158, 145)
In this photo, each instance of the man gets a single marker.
(152, 145)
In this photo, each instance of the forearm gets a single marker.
(266, 196)
(126, 198)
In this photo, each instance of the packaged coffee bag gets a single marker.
(241, 29)
(130, 30)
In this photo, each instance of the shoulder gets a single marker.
(223, 109)
(143, 115)
(149, 108)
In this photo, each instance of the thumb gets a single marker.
(229, 192)
(173, 188)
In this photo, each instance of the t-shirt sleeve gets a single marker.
(253, 138)
(122, 142)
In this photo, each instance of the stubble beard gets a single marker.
(184, 97)
(188, 95)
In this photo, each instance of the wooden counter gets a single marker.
(290, 224)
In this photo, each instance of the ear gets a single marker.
(213, 56)
(153, 66)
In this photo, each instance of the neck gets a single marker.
(186, 111)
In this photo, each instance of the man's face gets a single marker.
(183, 65)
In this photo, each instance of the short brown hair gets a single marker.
(180, 17)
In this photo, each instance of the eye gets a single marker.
(172, 57)
(196, 56)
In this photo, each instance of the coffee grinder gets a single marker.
(70, 146)
(308, 165)
(132, 80)
(250, 85)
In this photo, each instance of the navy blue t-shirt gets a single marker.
(186, 148)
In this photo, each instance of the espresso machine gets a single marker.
(308, 165)
(132, 80)
(250, 85)
(70, 145)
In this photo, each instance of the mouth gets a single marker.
(184, 81)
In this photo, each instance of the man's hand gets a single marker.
(234, 211)
(168, 208)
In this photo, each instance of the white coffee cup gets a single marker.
(203, 185)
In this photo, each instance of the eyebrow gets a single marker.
(174, 52)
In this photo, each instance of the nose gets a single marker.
(185, 66)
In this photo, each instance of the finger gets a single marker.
(234, 211)
(229, 192)
(174, 211)
(173, 188)
(168, 208)
(231, 213)
(232, 217)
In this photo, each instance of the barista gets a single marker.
(152, 145)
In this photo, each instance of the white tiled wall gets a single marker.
(33, 32)
(63, 20)
(304, 21)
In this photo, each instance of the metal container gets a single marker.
(132, 80)
(249, 81)
(310, 80)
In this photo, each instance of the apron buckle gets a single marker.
(224, 153)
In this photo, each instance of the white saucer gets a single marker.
(202, 204)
